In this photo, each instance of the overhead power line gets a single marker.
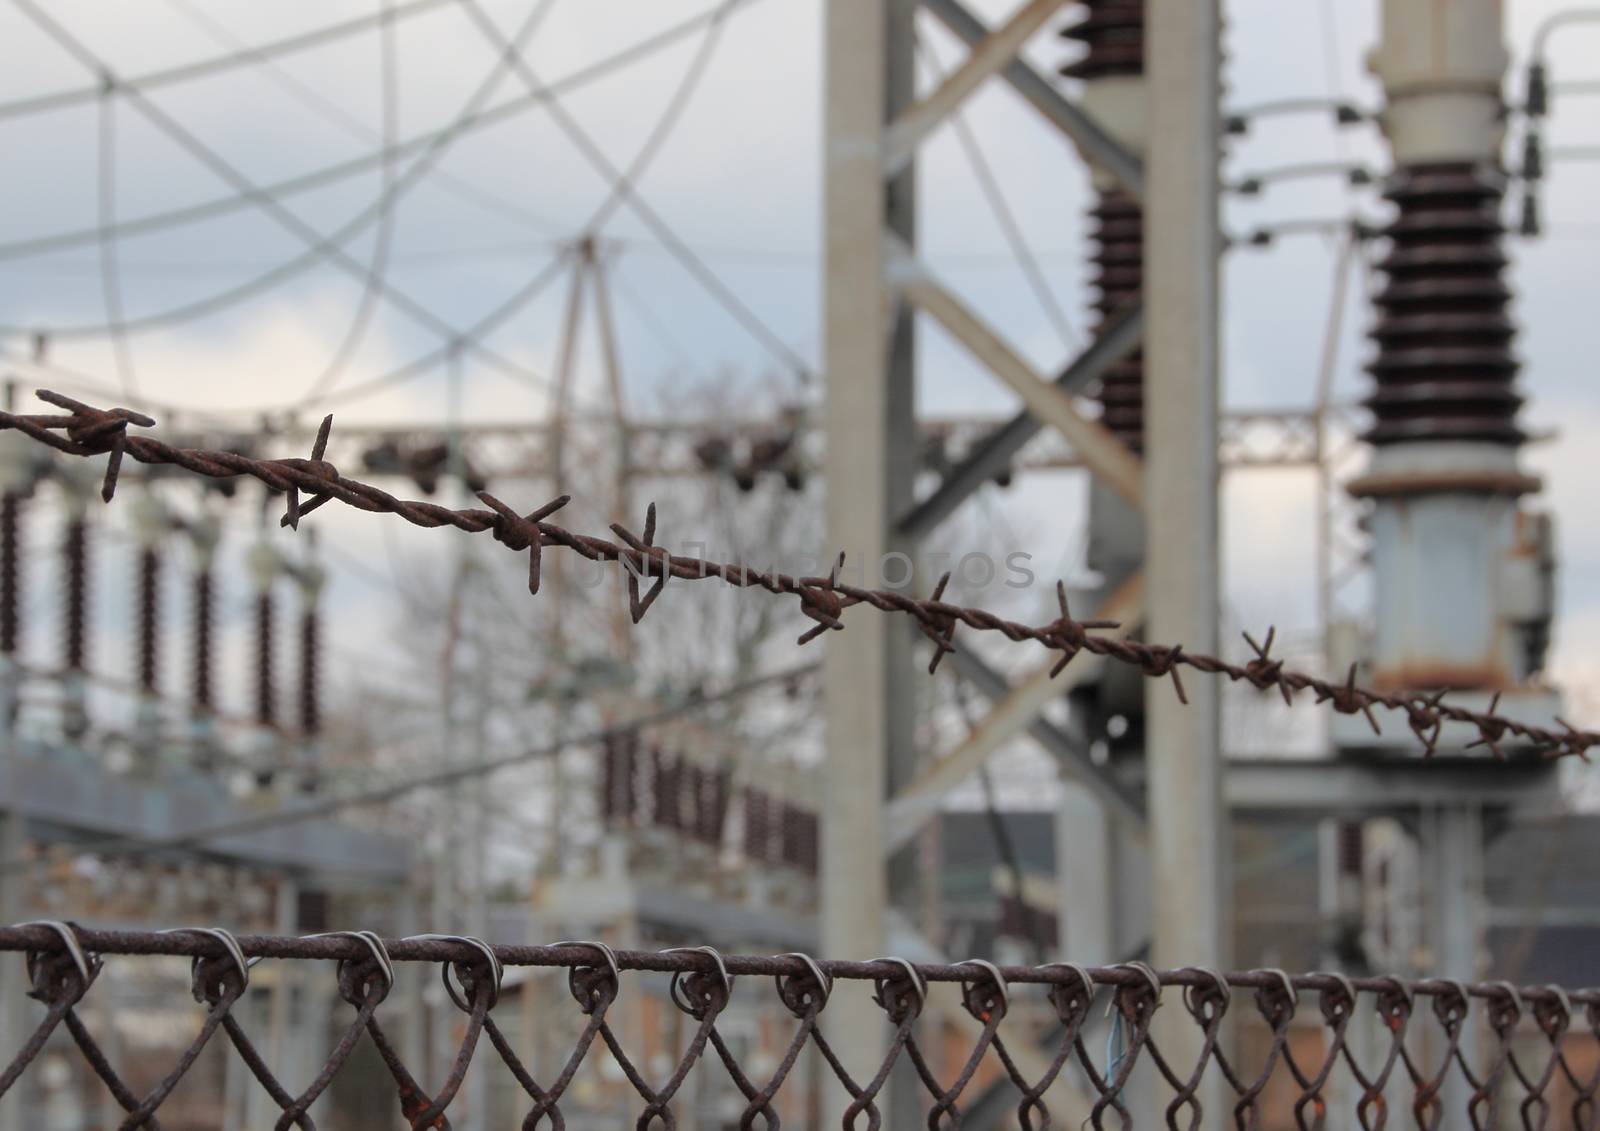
(352, 167)
(681, 251)
(220, 64)
(320, 246)
(336, 116)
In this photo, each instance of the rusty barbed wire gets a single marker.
(311, 483)
(1561, 1026)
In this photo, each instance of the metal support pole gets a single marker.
(1453, 857)
(1188, 829)
(871, 445)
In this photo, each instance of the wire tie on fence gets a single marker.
(86, 963)
(491, 960)
(229, 944)
(1062, 999)
(375, 947)
(583, 989)
(918, 987)
(798, 997)
(1219, 992)
(1451, 1008)
(1286, 985)
(675, 988)
(979, 1006)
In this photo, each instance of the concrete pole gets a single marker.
(870, 445)
(1190, 888)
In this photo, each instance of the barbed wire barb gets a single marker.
(92, 431)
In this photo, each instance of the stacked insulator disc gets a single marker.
(75, 554)
(1444, 368)
(266, 692)
(1112, 31)
(10, 572)
(149, 595)
(1118, 232)
(203, 596)
(310, 681)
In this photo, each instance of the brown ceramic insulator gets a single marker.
(668, 790)
(1112, 33)
(1118, 258)
(1444, 369)
(608, 777)
(757, 826)
(266, 692)
(719, 788)
(149, 601)
(10, 573)
(310, 685)
(75, 552)
(204, 597)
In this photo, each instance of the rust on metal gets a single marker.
(822, 599)
(1537, 1042)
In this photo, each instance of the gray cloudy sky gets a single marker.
(738, 181)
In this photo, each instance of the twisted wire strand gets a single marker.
(83, 430)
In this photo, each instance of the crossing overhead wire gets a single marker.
(344, 170)
(378, 267)
(110, 271)
(332, 113)
(83, 430)
(238, 58)
(320, 247)
(1004, 215)
(686, 256)
(537, 283)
